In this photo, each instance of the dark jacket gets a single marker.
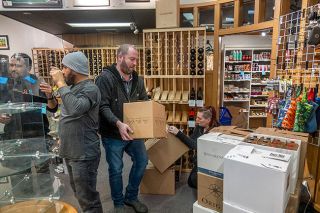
(191, 141)
(113, 96)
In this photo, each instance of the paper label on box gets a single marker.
(277, 156)
(192, 103)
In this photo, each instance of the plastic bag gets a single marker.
(225, 117)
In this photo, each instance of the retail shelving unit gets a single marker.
(245, 73)
(174, 73)
(98, 58)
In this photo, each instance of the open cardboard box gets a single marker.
(153, 182)
(165, 151)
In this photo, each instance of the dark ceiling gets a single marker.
(54, 21)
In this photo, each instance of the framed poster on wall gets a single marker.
(32, 3)
(4, 42)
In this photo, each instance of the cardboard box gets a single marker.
(165, 151)
(200, 209)
(295, 156)
(153, 182)
(256, 180)
(304, 137)
(211, 150)
(167, 13)
(147, 119)
(228, 208)
(232, 130)
(210, 192)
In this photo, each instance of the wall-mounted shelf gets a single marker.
(245, 74)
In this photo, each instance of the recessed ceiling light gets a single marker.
(263, 33)
(99, 24)
(26, 13)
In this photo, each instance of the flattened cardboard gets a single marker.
(164, 152)
(147, 119)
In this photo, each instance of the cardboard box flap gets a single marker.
(166, 151)
(150, 142)
(260, 158)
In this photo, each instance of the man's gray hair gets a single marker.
(124, 48)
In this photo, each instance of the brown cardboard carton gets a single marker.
(232, 130)
(167, 13)
(153, 182)
(165, 151)
(210, 192)
(147, 119)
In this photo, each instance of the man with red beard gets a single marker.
(120, 84)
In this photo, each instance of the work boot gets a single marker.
(137, 206)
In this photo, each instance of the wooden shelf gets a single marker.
(236, 100)
(257, 116)
(259, 96)
(236, 91)
(238, 80)
(258, 106)
(250, 76)
(231, 62)
(173, 102)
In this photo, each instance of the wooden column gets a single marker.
(237, 13)
(259, 11)
(195, 17)
(216, 71)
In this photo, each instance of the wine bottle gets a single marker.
(200, 57)
(200, 65)
(193, 72)
(192, 94)
(200, 94)
(193, 51)
(192, 114)
(200, 50)
(200, 72)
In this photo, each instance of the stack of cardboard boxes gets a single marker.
(231, 177)
(159, 177)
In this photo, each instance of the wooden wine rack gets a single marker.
(98, 58)
(175, 61)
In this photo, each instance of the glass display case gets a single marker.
(26, 149)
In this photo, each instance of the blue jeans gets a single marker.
(83, 181)
(114, 154)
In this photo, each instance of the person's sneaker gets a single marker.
(137, 205)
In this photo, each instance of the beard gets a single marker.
(124, 68)
(70, 79)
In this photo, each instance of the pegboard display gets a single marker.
(174, 73)
(298, 51)
(98, 58)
